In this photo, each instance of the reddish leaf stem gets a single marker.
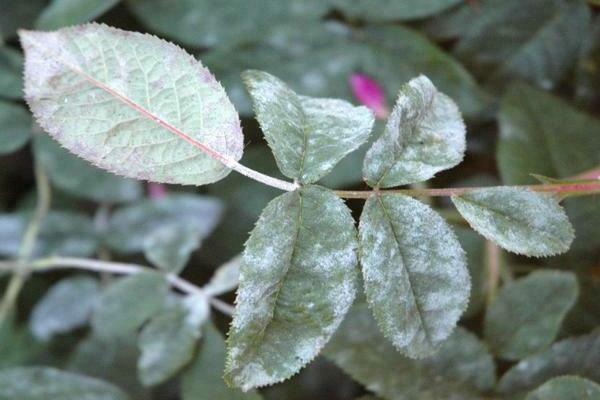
(580, 188)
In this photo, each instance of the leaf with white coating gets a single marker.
(66, 306)
(414, 272)
(131, 103)
(124, 306)
(424, 135)
(225, 278)
(535, 306)
(168, 342)
(170, 247)
(308, 136)
(297, 281)
(518, 220)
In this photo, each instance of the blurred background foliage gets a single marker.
(526, 75)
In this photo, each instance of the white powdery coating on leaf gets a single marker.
(425, 134)
(69, 77)
(297, 281)
(519, 220)
(414, 272)
(308, 136)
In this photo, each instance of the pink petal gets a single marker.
(369, 93)
(156, 190)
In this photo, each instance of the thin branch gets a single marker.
(492, 263)
(222, 158)
(21, 270)
(54, 263)
(577, 188)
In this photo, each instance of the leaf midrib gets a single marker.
(405, 265)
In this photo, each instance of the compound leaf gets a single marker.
(535, 306)
(42, 383)
(425, 134)
(131, 103)
(297, 281)
(125, 305)
(519, 220)
(308, 136)
(66, 306)
(414, 272)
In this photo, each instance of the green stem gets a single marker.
(54, 263)
(492, 263)
(20, 273)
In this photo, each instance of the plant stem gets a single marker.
(492, 263)
(53, 263)
(21, 270)
(583, 188)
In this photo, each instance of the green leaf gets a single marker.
(203, 379)
(461, 364)
(11, 67)
(585, 315)
(170, 247)
(537, 40)
(542, 134)
(519, 220)
(474, 247)
(317, 59)
(61, 233)
(535, 306)
(15, 127)
(18, 15)
(388, 10)
(566, 388)
(79, 178)
(131, 103)
(129, 227)
(206, 23)
(60, 13)
(297, 281)
(414, 273)
(308, 136)
(574, 356)
(425, 134)
(587, 78)
(225, 279)
(125, 305)
(113, 360)
(168, 341)
(42, 383)
(17, 346)
(66, 306)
